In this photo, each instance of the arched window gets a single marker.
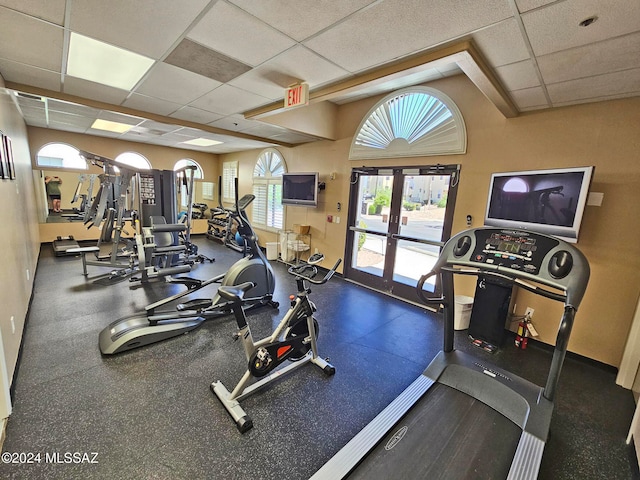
(198, 174)
(60, 155)
(268, 211)
(134, 160)
(413, 122)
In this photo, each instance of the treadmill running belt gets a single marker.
(446, 435)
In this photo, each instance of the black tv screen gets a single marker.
(546, 201)
(300, 189)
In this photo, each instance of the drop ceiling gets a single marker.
(219, 68)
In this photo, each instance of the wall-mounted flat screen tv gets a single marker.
(300, 189)
(546, 201)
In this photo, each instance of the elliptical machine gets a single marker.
(294, 339)
(152, 326)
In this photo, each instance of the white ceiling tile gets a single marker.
(75, 120)
(502, 43)
(219, 29)
(518, 75)
(94, 91)
(293, 66)
(594, 59)
(529, 97)
(227, 100)
(368, 38)
(150, 104)
(51, 10)
(596, 99)
(148, 27)
(30, 41)
(32, 110)
(526, 5)
(72, 108)
(302, 18)
(618, 83)
(27, 75)
(174, 84)
(555, 27)
(158, 126)
(193, 114)
(65, 127)
(235, 123)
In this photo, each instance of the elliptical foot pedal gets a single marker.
(195, 304)
(190, 283)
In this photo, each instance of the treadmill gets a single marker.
(463, 417)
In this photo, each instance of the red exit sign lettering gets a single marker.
(296, 95)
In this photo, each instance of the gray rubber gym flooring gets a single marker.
(149, 413)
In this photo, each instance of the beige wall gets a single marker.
(20, 238)
(603, 134)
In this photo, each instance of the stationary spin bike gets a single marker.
(294, 339)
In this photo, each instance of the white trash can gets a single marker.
(272, 250)
(462, 312)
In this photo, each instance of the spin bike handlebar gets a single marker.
(299, 272)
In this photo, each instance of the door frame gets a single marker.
(386, 284)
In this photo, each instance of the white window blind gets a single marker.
(268, 211)
(229, 174)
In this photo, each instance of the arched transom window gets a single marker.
(268, 212)
(134, 160)
(60, 155)
(413, 122)
(198, 174)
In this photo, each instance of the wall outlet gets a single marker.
(336, 220)
(529, 312)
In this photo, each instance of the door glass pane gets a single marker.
(424, 201)
(374, 199)
(414, 260)
(369, 252)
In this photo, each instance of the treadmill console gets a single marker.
(517, 250)
(518, 255)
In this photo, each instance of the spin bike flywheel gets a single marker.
(300, 328)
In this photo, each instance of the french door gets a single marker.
(399, 218)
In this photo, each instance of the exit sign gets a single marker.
(296, 95)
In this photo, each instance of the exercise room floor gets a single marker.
(149, 413)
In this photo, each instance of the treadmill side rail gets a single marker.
(350, 455)
(526, 461)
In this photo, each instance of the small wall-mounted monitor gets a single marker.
(300, 189)
(546, 201)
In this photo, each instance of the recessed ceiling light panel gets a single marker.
(99, 62)
(110, 126)
(202, 142)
